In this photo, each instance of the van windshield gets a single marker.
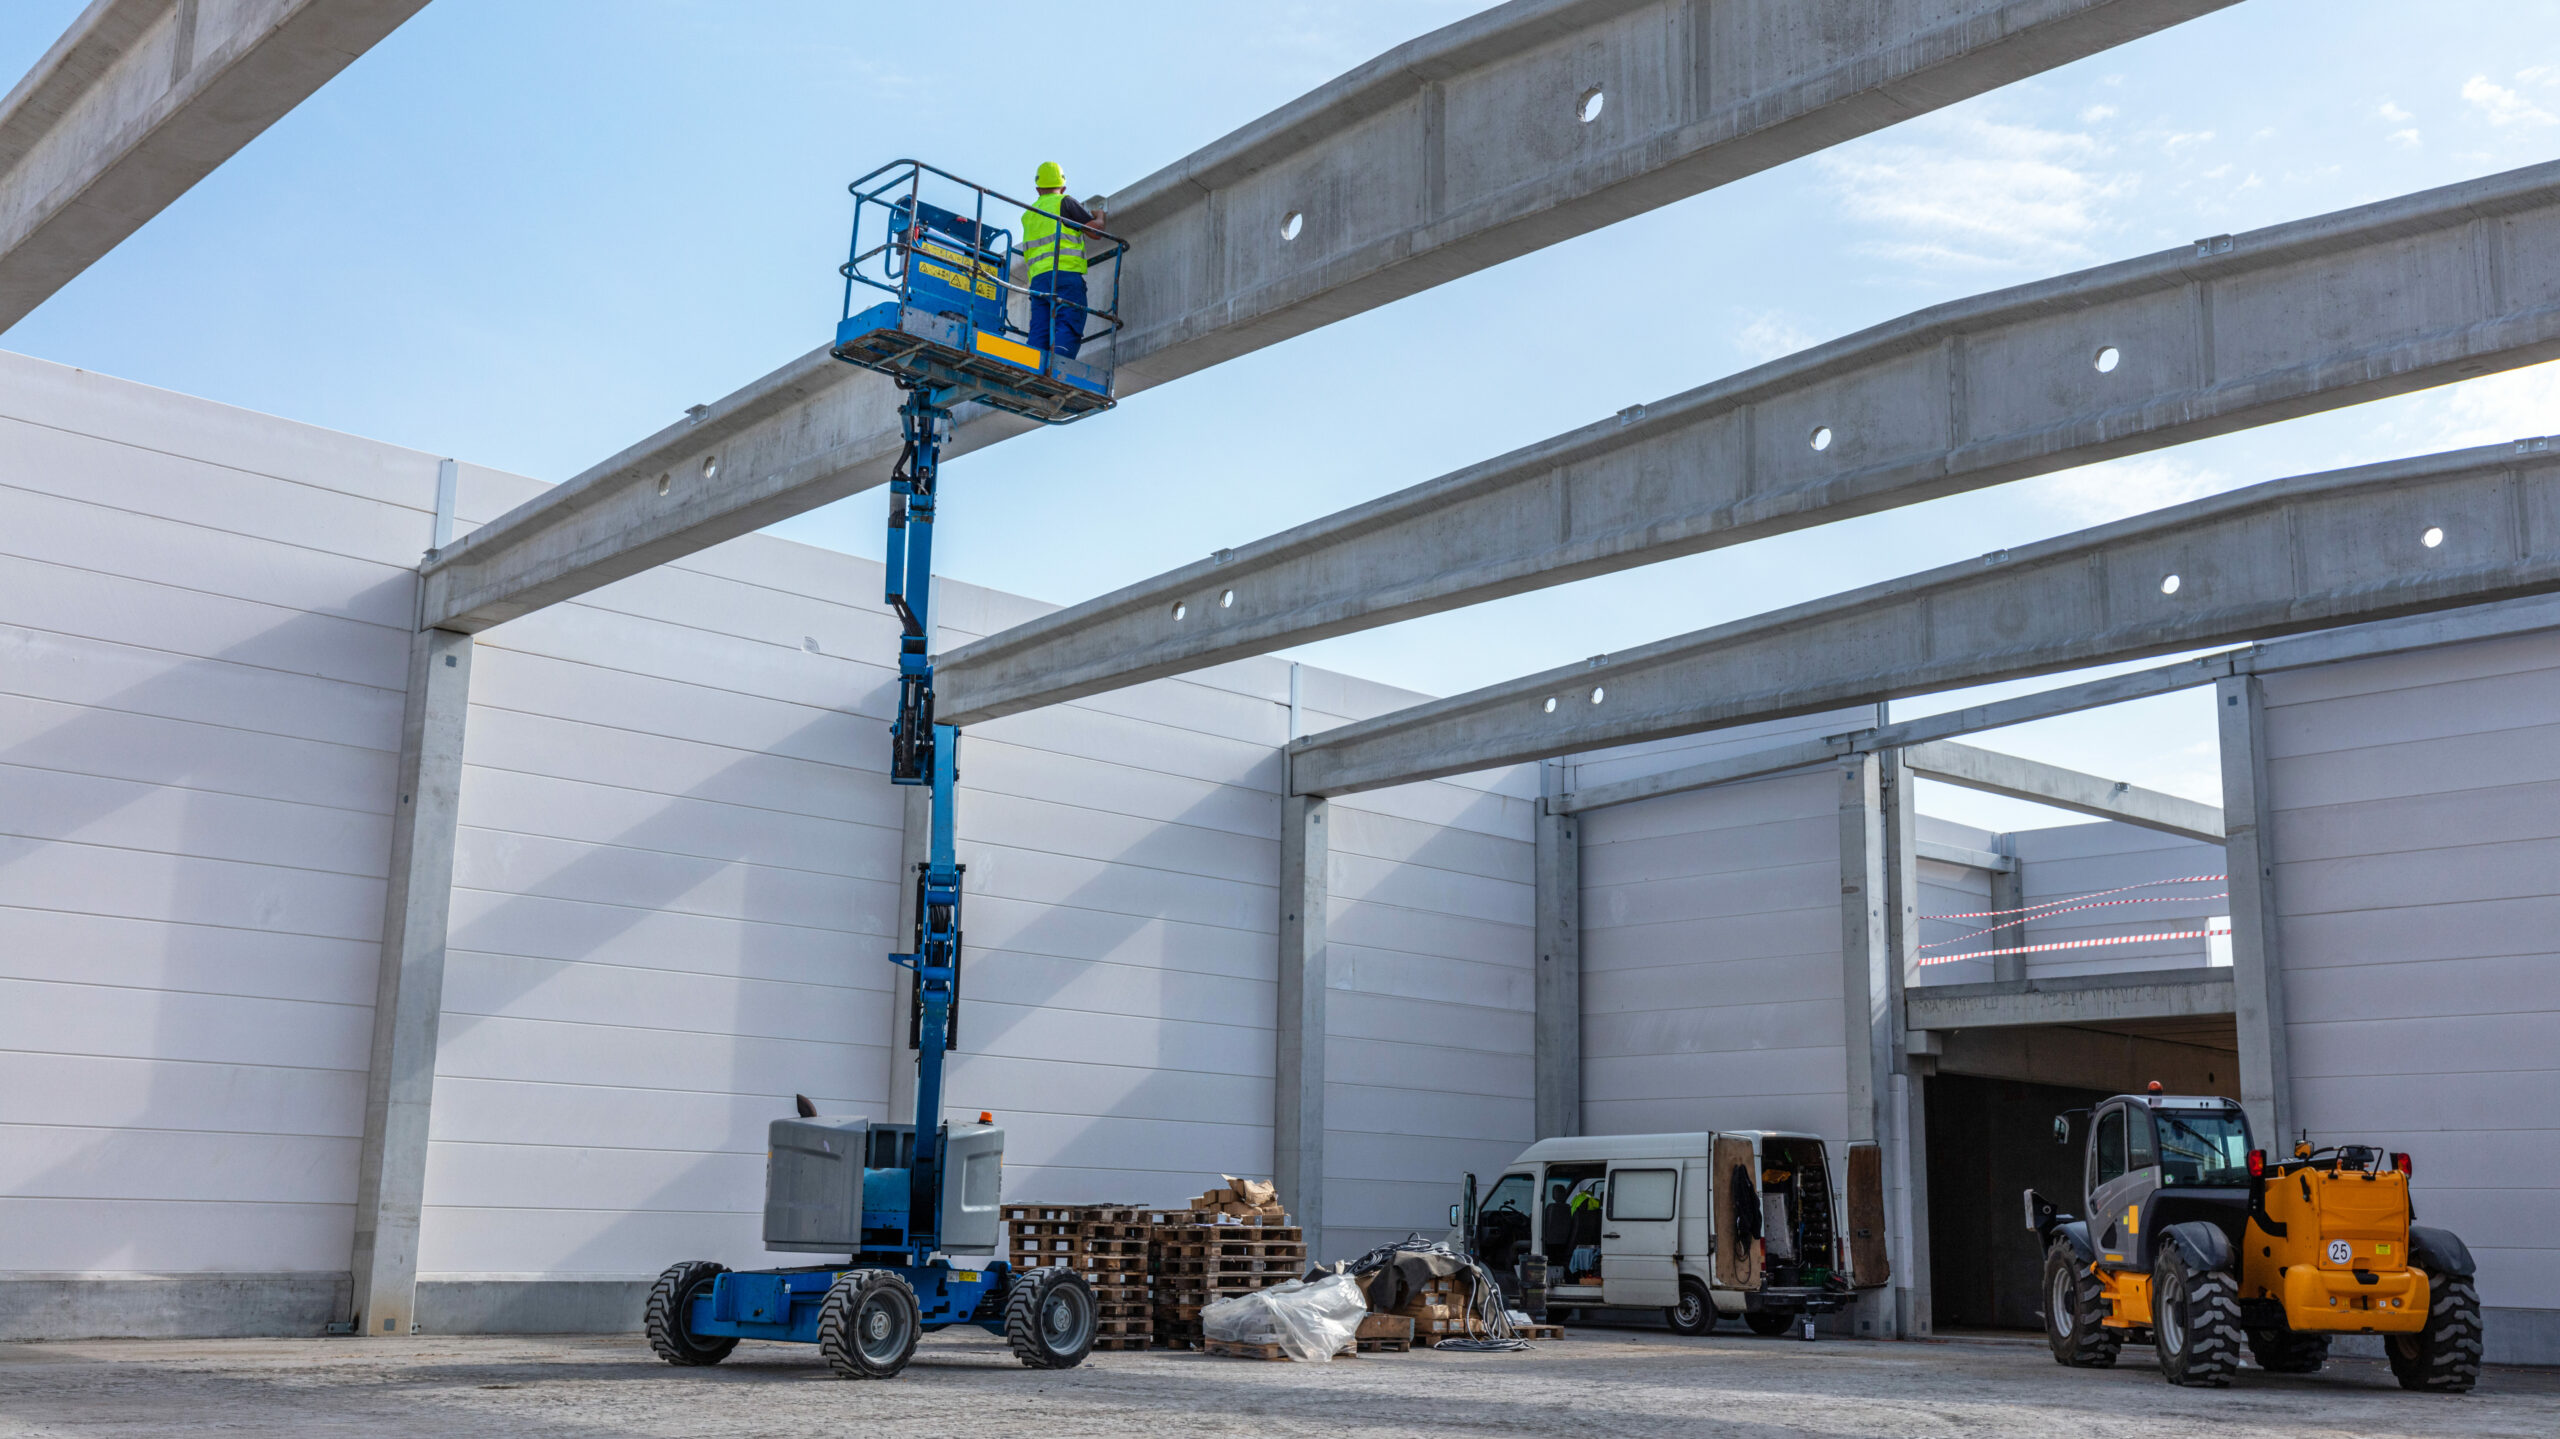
(2203, 1147)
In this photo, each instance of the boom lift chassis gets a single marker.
(947, 337)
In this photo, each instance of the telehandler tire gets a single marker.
(2283, 1351)
(670, 1300)
(869, 1324)
(2444, 1357)
(2075, 1311)
(2195, 1322)
(1049, 1318)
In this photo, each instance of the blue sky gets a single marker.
(528, 232)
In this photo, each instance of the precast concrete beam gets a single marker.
(2313, 552)
(1999, 714)
(1442, 157)
(2257, 950)
(2078, 999)
(138, 101)
(1962, 856)
(2017, 778)
(2220, 335)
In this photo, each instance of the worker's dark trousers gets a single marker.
(1058, 326)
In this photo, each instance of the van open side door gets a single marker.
(1735, 1175)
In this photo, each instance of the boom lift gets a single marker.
(2203, 1243)
(901, 1199)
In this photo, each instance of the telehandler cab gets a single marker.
(2198, 1241)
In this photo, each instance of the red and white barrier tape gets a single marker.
(2072, 944)
(2095, 894)
(2074, 909)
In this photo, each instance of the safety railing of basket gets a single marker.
(888, 264)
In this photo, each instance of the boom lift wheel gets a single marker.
(2445, 1356)
(670, 1300)
(2075, 1311)
(2286, 1351)
(1695, 1313)
(868, 1327)
(2195, 1321)
(1049, 1319)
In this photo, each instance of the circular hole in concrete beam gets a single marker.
(1588, 108)
(1180, 610)
(2169, 585)
(2108, 358)
(1290, 227)
(2432, 538)
(1820, 439)
(1551, 704)
(1598, 694)
(710, 467)
(1227, 601)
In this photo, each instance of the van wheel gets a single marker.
(2075, 1311)
(1695, 1313)
(1768, 1323)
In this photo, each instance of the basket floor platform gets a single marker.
(950, 353)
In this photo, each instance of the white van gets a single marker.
(1699, 1226)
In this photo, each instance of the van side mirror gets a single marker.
(2062, 1129)
(1453, 1216)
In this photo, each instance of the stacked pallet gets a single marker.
(1200, 1256)
(1107, 1244)
(1444, 1308)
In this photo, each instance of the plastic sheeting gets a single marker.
(1310, 1322)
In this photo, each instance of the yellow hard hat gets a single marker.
(1050, 177)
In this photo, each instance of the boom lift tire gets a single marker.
(1695, 1313)
(2195, 1322)
(1049, 1319)
(1768, 1324)
(2075, 1311)
(2285, 1351)
(2444, 1357)
(670, 1299)
(868, 1327)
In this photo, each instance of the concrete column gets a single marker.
(408, 1002)
(1868, 977)
(1297, 1131)
(1905, 1138)
(2257, 958)
(1558, 1022)
(2009, 892)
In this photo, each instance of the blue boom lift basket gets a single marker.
(957, 317)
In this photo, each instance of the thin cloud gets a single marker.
(1979, 193)
(2406, 139)
(2394, 114)
(2501, 106)
(1770, 334)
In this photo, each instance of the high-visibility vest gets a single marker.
(1049, 244)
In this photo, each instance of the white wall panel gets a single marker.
(2072, 865)
(2418, 887)
(1711, 957)
(203, 624)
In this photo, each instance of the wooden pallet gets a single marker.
(1385, 1345)
(1124, 1342)
(1236, 1350)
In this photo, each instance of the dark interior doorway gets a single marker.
(1990, 1140)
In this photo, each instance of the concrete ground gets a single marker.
(1616, 1383)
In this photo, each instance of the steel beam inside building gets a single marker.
(2312, 552)
(2006, 774)
(138, 101)
(1444, 156)
(2217, 336)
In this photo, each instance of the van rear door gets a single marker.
(1736, 1176)
(1640, 1233)
(1869, 1266)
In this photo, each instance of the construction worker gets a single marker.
(1054, 253)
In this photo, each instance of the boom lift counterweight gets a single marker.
(900, 1200)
